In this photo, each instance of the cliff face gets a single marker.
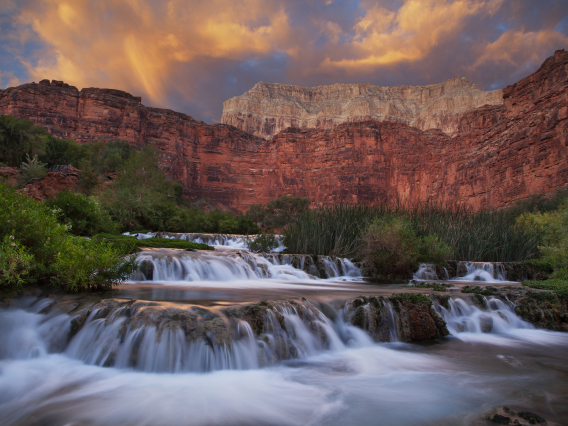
(267, 108)
(500, 153)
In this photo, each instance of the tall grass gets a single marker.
(489, 236)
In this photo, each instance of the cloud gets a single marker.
(517, 47)
(191, 55)
(134, 44)
(385, 37)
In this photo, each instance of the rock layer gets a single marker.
(269, 108)
(500, 153)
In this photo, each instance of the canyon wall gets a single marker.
(269, 108)
(500, 153)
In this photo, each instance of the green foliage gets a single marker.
(558, 285)
(389, 246)
(414, 298)
(278, 212)
(433, 286)
(94, 265)
(433, 250)
(131, 244)
(82, 214)
(19, 139)
(63, 151)
(482, 236)
(49, 251)
(476, 290)
(263, 243)
(15, 264)
(141, 196)
(32, 168)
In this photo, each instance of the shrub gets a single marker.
(433, 250)
(49, 253)
(63, 151)
(278, 212)
(141, 196)
(389, 247)
(19, 139)
(94, 265)
(263, 243)
(82, 214)
(32, 169)
(15, 265)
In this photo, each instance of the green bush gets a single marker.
(263, 243)
(433, 250)
(47, 249)
(390, 247)
(63, 151)
(19, 139)
(278, 212)
(32, 168)
(94, 265)
(15, 265)
(82, 214)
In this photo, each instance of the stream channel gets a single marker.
(135, 362)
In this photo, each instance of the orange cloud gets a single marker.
(133, 44)
(517, 47)
(384, 37)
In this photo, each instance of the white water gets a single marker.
(219, 241)
(345, 380)
(476, 271)
(198, 267)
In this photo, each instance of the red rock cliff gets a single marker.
(499, 154)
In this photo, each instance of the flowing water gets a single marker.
(307, 365)
(476, 271)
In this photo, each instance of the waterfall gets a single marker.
(173, 265)
(167, 340)
(474, 271)
(498, 317)
(426, 272)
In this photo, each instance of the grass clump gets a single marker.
(477, 290)
(433, 286)
(414, 298)
(132, 244)
(559, 286)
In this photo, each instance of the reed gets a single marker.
(489, 236)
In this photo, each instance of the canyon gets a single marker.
(267, 109)
(484, 157)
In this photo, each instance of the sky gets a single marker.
(192, 55)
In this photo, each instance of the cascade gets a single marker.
(228, 241)
(474, 271)
(168, 340)
(496, 316)
(426, 272)
(174, 265)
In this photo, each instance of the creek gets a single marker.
(181, 344)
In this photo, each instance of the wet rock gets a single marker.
(146, 267)
(501, 420)
(486, 323)
(531, 417)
